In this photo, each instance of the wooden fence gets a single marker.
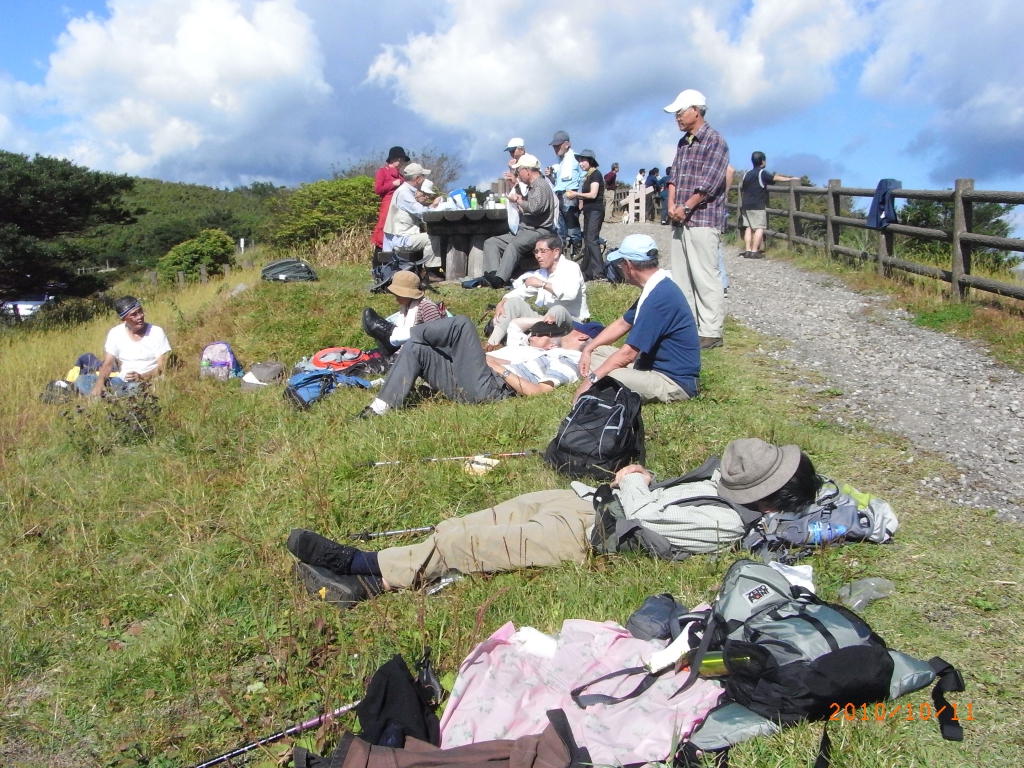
(961, 239)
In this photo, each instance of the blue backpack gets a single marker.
(305, 388)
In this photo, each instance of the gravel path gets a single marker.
(943, 393)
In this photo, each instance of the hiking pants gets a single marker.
(694, 261)
(448, 355)
(652, 386)
(503, 252)
(593, 264)
(537, 529)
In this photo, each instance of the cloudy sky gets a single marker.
(226, 92)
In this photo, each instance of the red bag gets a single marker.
(339, 358)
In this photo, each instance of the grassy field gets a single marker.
(146, 596)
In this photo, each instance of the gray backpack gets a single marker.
(792, 657)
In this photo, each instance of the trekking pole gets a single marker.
(382, 534)
(292, 731)
(512, 455)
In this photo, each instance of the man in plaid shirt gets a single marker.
(696, 208)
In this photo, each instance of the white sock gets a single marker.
(379, 407)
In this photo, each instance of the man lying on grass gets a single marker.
(135, 348)
(550, 527)
(448, 355)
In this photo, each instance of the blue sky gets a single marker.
(225, 92)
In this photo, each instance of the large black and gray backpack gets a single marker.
(603, 433)
(289, 271)
(791, 657)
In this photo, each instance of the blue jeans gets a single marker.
(116, 386)
(569, 223)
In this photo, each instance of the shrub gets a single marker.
(211, 247)
(319, 211)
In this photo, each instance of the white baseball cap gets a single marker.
(515, 143)
(686, 99)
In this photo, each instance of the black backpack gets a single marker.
(603, 433)
(289, 271)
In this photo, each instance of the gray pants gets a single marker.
(448, 355)
(516, 309)
(503, 252)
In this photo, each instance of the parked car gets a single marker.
(19, 309)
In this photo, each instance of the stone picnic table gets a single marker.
(461, 236)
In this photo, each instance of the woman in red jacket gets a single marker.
(388, 180)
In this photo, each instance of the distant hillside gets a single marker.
(170, 213)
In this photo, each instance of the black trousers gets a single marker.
(593, 264)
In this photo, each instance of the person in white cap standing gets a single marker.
(516, 148)
(696, 208)
(402, 225)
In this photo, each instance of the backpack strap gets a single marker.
(590, 699)
(579, 757)
(949, 681)
(698, 656)
(703, 472)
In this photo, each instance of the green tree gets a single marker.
(987, 220)
(44, 203)
(211, 247)
(319, 211)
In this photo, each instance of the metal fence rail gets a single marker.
(960, 237)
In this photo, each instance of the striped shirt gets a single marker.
(541, 366)
(699, 166)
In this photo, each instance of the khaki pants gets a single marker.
(517, 309)
(423, 241)
(537, 529)
(695, 270)
(652, 386)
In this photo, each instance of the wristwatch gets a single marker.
(687, 210)
(592, 377)
(506, 374)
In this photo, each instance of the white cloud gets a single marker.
(158, 80)
(963, 59)
(605, 71)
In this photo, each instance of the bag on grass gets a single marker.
(339, 359)
(219, 362)
(792, 657)
(289, 271)
(838, 515)
(306, 388)
(262, 375)
(603, 432)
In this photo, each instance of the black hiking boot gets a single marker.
(380, 330)
(342, 591)
(314, 549)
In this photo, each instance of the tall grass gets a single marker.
(145, 591)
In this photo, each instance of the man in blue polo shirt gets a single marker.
(660, 358)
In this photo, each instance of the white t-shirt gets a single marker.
(136, 356)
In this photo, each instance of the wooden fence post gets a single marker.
(962, 215)
(832, 209)
(181, 279)
(248, 263)
(227, 271)
(202, 273)
(154, 279)
(884, 251)
(792, 209)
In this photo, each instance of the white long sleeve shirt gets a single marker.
(567, 289)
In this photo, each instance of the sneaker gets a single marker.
(710, 342)
(367, 413)
(314, 549)
(342, 591)
(754, 255)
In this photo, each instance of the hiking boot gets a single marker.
(367, 413)
(342, 591)
(314, 549)
(710, 342)
(753, 255)
(380, 330)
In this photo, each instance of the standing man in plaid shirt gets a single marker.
(696, 208)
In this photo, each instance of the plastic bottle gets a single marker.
(858, 594)
(713, 663)
(473, 203)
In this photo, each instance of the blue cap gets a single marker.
(635, 248)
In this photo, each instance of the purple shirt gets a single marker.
(699, 165)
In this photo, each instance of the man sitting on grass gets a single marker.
(557, 288)
(551, 527)
(135, 348)
(660, 358)
(448, 355)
